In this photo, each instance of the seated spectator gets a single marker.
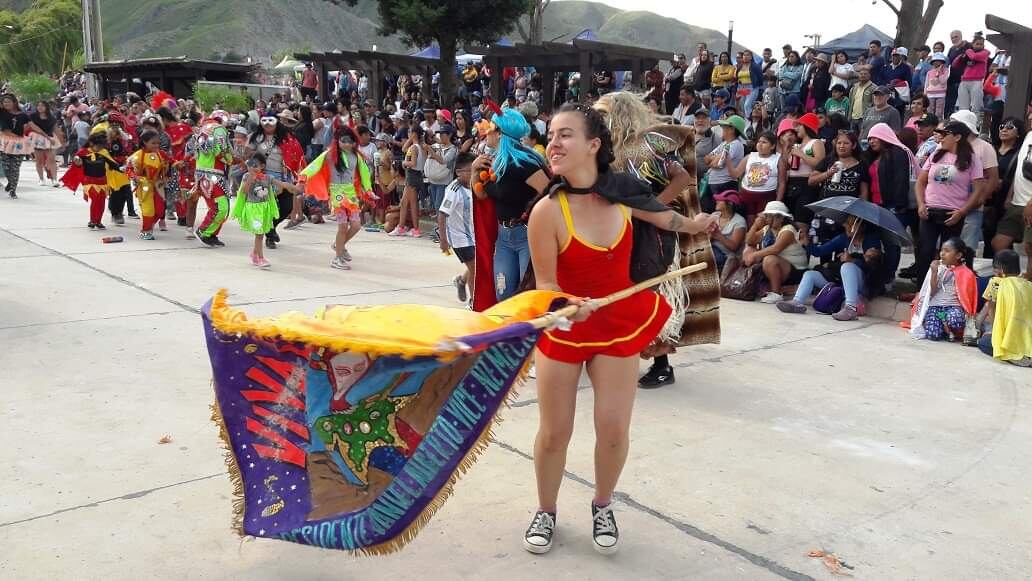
(729, 236)
(857, 256)
(948, 294)
(1006, 334)
(773, 241)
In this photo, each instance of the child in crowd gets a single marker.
(1013, 338)
(148, 169)
(387, 179)
(948, 296)
(838, 102)
(342, 175)
(95, 163)
(255, 205)
(935, 85)
(455, 223)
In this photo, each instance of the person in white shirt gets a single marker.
(684, 113)
(455, 223)
(1016, 224)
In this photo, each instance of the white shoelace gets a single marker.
(604, 523)
(543, 525)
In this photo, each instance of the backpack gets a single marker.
(652, 251)
(830, 298)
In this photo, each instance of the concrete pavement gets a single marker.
(907, 460)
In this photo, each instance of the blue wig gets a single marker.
(513, 127)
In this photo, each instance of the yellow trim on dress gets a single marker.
(572, 233)
(624, 339)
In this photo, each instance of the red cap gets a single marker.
(810, 121)
(445, 114)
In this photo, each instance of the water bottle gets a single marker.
(111, 239)
(837, 176)
(722, 160)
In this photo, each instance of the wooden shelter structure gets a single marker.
(1017, 41)
(175, 75)
(581, 55)
(374, 63)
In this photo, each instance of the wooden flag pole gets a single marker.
(550, 319)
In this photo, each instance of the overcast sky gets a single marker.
(760, 23)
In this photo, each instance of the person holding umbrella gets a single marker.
(858, 253)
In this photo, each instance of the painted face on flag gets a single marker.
(345, 371)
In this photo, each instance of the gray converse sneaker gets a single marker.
(792, 306)
(604, 532)
(846, 313)
(538, 538)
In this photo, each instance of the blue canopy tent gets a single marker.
(430, 52)
(856, 42)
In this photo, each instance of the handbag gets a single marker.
(738, 281)
(830, 298)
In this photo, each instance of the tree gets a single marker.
(914, 21)
(449, 23)
(535, 22)
(40, 39)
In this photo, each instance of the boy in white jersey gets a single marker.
(455, 223)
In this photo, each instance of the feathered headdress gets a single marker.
(163, 99)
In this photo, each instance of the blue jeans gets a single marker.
(719, 257)
(852, 282)
(436, 195)
(754, 94)
(972, 233)
(511, 258)
(985, 343)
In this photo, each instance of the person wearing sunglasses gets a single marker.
(949, 186)
(1015, 224)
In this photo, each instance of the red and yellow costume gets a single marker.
(92, 173)
(148, 171)
(621, 329)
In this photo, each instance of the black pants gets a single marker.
(951, 98)
(931, 234)
(119, 200)
(285, 203)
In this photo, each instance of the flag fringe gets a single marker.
(234, 470)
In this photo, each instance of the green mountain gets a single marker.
(211, 29)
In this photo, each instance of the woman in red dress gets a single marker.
(580, 243)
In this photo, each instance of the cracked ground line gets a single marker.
(127, 496)
(75, 321)
(688, 529)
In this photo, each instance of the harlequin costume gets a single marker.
(345, 190)
(255, 206)
(93, 176)
(621, 329)
(148, 172)
(213, 154)
(181, 175)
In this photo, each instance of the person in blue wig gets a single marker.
(512, 176)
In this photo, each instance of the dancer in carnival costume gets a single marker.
(645, 146)
(181, 174)
(506, 178)
(581, 242)
(341, 174)
(119, 146)
(91, 169)
(284, 160)
(148, 169)
(255, 207)
(213, 154)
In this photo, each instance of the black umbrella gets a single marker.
(839, 208)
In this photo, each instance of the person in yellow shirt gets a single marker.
(724, 74)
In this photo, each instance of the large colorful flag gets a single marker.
(347, 430)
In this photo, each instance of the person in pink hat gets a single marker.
(728, 237)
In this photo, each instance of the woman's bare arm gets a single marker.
(544, 244)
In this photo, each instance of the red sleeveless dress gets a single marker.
(621, 329)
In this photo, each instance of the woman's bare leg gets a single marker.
(41, 160)
(52, 164)
(557, 402)
(258, 249)
(615, 382)
(777, 270)
(342, 235)
(406, 200)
